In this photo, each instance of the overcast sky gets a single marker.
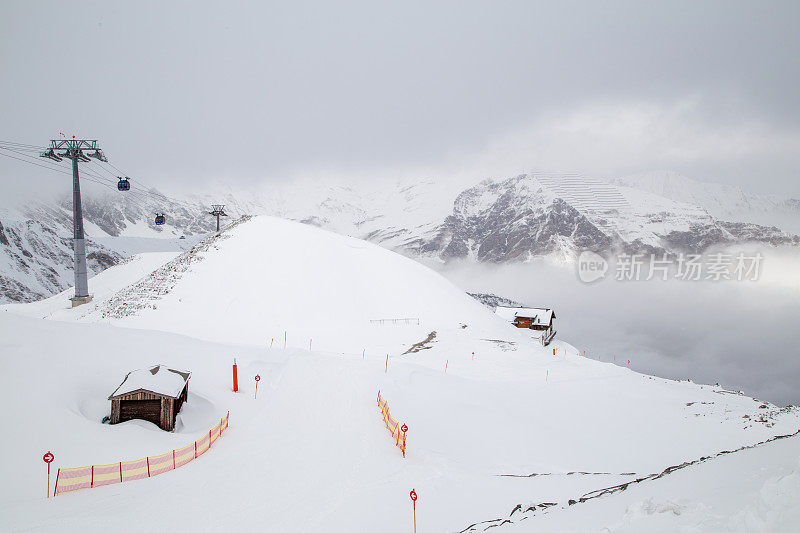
(272, 91)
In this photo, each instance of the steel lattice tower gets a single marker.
(218, 211)
(74, 150)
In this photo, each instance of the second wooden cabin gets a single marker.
(533, 318)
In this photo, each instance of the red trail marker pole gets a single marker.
(445, 365)
(386, 371)
(48, 458)
(473, 356)
(258, 378)
(235, 377)
(284, 339)
(413, 495)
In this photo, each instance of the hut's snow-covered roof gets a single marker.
(539, 315)
(158, 379)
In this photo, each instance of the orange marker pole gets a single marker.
(445, 365)
(271, 341)
(235, 377)
(387, 364)
(554, 351)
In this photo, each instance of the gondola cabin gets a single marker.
(160, 220)
(154, 394)
(536, 319)
(124, 184)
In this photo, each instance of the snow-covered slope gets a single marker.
(486, 406)
(498, 220)
(724, 202)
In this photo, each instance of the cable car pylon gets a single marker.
(73, 149)
(218, 211)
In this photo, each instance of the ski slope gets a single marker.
(311, 453)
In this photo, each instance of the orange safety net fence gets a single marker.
(86, 477)
(393, 425)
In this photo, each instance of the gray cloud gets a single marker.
(270, 91)
(743, 335)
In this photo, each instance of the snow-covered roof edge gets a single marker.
(541, 315)
(158, 379)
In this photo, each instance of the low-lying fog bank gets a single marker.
(744, 335)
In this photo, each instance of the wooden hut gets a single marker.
(534, 318)
(154, 394)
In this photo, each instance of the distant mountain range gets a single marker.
(497, 220)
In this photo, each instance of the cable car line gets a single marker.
(112, 182)
(91, 176)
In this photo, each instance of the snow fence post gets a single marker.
(120, 471)
(173, 460)
(55, 489)
(148, 466)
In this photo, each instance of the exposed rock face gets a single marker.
(513, 220)
(37, 262)
(492, 300)
(509, 220)
(114, 216)
(741, 231)
(521, 218)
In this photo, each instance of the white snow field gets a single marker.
(311, 452)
